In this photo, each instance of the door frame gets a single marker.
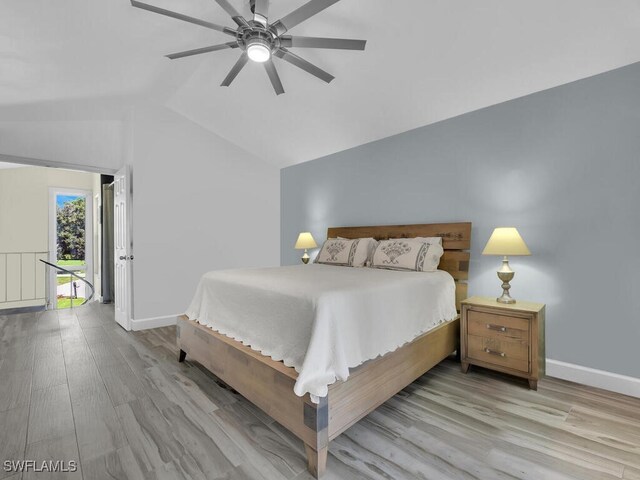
(53, 235)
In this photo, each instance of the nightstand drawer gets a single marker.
(508, 354)
(492, 325)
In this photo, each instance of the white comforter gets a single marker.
(321, 319)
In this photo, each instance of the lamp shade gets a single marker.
(506, 241)
(305, 240)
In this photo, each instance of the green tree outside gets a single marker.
(71, 229)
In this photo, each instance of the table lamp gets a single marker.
(506, 241)
(305, 241)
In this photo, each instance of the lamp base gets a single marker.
(506, 298)
(305, 257)
(506, 275)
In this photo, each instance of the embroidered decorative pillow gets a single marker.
(338, 251)
(346, 252)
(407, 254)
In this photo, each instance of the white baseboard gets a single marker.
(23, 303)
(154, 322)
(594, 378)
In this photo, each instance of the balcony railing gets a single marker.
(23, 280)
(72, 274)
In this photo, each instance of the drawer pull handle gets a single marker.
(491, 352)
(498, 328)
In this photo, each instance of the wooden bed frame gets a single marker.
(269, 384)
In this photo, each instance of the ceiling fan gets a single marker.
(261, 40)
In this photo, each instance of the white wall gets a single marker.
(200, 204)
(94, 145)
(24, 205)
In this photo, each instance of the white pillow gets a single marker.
(407, 254)
(364, 251)
(346, 252)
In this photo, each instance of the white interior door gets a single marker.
(123, 271)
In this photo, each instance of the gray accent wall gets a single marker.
(562, 165)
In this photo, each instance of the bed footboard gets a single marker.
(269, 384)
(264, 382)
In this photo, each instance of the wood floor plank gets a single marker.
(529, 465)
(97, 426)
(49, 370)
(120, 465)
(95, 335)
(88, 319)
(452, 456)
(15, 389)
(50, 415)
(47, 344)
(64, 449)
(17, 359)
(368, 463)
(548, 431)
(13, 435)
(47, 323)
(85, 381)
(106, 354)
(611, 429)
(121, 383)
(208, 457)
(259, 443)
(336, 470)
(151, 437)
(631, 473)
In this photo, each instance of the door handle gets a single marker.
(126, 257)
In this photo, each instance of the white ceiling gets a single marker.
(426, 60)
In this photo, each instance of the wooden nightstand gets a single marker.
(507, 338)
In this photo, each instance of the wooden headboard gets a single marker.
(456, 241)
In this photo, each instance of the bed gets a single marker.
(271, 384)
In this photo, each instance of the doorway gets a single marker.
(71, 234)
(41, 220)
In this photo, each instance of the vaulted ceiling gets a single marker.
(425, 61)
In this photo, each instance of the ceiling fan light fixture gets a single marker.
(259, 50)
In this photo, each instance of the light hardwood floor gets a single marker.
(75, 386)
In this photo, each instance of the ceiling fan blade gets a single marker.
(227, 7)
(261, 11)
(198, 51)
(273, 76)
(240, 21)
(233, 13)
(299, 62)
(301, 14)
(318, 42)
(242, 61)
(184, 18)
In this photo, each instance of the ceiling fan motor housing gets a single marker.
(256, 34)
